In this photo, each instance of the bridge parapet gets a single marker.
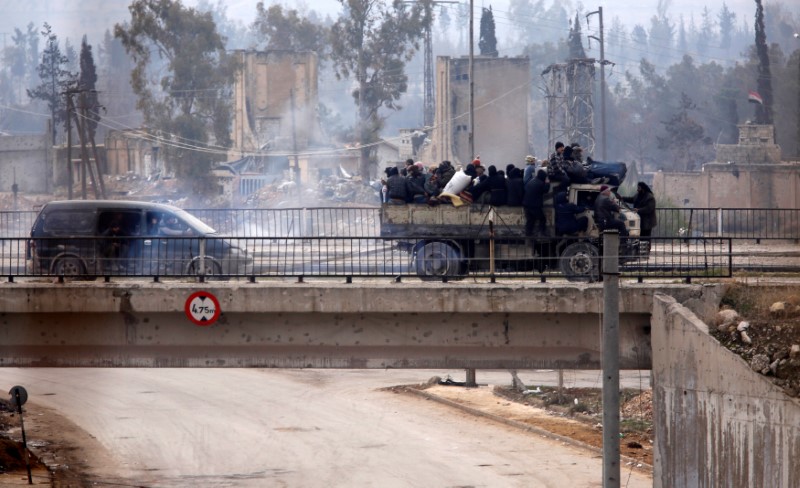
(329, 325)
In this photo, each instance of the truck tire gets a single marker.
(437, 259)
(580, 261)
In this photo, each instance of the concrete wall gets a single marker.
(275, 324)
(717, 422)
(29, 157)
(732, 186)
(502, 92)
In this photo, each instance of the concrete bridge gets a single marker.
(327, 325)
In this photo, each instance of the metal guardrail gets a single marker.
(736, 223)
(280, 257)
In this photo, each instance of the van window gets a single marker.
(129, 222)
(69, 222)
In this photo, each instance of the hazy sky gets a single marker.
(72, 18)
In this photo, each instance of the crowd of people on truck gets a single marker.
(525, 187)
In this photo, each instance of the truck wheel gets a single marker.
(436, 259)
(580, 262)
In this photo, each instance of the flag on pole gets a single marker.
(754, 97)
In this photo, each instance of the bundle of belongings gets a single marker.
(608, 173)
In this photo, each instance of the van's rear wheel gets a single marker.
(438, 259)
(70, 266)
(580, 261)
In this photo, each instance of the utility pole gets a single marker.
(603, 63)
(69, 144)
(429, 102)
(471, 81)
(610, 348)
(296, 169)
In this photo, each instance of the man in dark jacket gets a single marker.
(533, 203)
(515, 188)
(396, 187)
(605, 212)
(644, 203)
(567, 220)
(415, 185)
(497, 189)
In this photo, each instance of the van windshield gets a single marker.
(194, 222)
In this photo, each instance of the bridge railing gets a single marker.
(281, 257)
(735, 223)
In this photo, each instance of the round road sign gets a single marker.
(202, 308)
(18, 392)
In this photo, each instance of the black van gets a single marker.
(112, 237)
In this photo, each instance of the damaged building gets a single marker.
(501, 101)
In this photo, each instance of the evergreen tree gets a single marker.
(639, 36)
(683, 44)
(726, 19)
(682, 136)
(88, 83)
(55, 79)
(575, 40)
(764, 82)
(705, 37)
(488, 40)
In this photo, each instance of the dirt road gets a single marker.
(295, 428)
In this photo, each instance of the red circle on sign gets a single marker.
(202, 308)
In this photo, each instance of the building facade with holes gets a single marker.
(501, 104)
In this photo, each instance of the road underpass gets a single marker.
(372, 324)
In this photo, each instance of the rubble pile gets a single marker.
(640, 406)
(769, 340)
(331, 191)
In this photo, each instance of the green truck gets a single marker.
(452, 241)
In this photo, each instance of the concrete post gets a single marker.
(610, 349)
(471, 381)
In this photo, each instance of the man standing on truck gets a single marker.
(605, 212)
(533, 204)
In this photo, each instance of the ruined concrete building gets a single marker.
(275, 102)
(501, 99)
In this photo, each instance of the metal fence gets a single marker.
(735, 223)
(348, 257)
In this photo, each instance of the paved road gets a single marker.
(301, 428)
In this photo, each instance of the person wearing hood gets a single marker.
(515, 188)
(606, 211)
(395, 187)
(533, 204)
(644, 203)
(497, 189)
(567, 220)
(530, 169)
